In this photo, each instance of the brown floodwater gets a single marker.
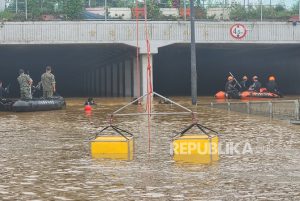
(46, 156)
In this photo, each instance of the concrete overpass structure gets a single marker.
(115, 75)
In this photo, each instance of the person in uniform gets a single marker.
(25, 83)
(256, 84)
(48, 83)
(230, 88)
(244, 84)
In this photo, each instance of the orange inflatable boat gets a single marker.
(249, 94)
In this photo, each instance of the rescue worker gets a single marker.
(3, 90)
(272, 86)
(25, 83)
(48, 83)
(244, 84)
(230, 89)
(256, 84)
(90, 101)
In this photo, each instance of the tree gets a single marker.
(73, 9)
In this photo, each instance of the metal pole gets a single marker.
(89, 3)
(193, 55)
(26, 11)
(261, 11)
(105, 7)
(184, 12)
(299, 10)
(16, 6)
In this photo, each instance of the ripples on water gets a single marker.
(45, 156)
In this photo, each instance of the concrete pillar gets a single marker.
(88, 84)
(108, 81)
(135, 84)
(97, 82)
(102, 81)
(92, 83)
(144, 73)
(128, 78)
(115, 80)
(121, 79)
(84, 83)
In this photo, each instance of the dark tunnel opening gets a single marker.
(171, 66)
(215, 61)
(69, 62)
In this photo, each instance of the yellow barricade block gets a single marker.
(112, 147)
(196, 148)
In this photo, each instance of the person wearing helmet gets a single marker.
(244, 84)
(272, 85)
(256, 84)
(230, 88)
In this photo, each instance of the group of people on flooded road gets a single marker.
(47, 84)
(233, 87)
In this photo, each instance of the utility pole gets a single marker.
(261, 11)
(16, 6)
(184, 8)
(193, 55)
(26, 10)
(105, 8)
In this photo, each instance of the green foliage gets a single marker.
(153, 11)
(6, 15)
(240, 13)
(73, 9)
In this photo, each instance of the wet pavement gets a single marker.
(45, 156)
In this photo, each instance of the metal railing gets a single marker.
(285, 109)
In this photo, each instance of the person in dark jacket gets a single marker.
(244, 84)
(272, 86)
(256, 84)
(3, 90)
(230, 88)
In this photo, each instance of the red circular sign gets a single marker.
(238, 31)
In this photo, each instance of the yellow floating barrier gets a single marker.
(118, 146)
(196, 148)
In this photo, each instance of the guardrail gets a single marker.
(285, 109)
(125, 32)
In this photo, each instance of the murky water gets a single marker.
(45, 156)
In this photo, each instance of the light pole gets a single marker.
(299, 10)
(184, 9)
(105, 8)
(26, 11)
(261, 11)
(193, 55)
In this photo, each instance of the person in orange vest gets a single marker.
(272, 86)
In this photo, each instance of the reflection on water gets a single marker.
(46, 156)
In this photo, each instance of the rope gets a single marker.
(149, 78)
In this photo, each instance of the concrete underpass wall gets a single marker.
(80, 70)
(214, 61)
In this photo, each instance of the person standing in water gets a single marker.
(48, 83)
(25, 83)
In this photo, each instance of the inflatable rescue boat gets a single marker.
(248, 94)
(33, 105)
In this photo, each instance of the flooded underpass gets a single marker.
(46, 156)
